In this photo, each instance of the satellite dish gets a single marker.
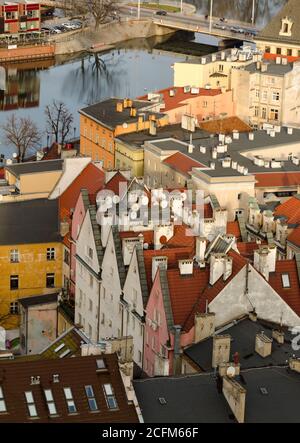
(146, 245)
(116, 199)
(125, 125)
(15, 155)
(230, 372)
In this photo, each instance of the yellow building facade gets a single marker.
(129, 157)
(27, 270)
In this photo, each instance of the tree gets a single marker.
(100, 10)
(23, 134)
(59, 121)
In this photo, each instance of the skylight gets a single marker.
(100, 363)
(2, 401)
(70, 400)
(285, 280)
(50, 401)
(91, 398)
(30, 404)
(110, 396)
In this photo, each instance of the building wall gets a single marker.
(127, 157)
(132, 325)
(155, 339)
(38, 326)
(272, 47)
(31, 269)
(39, 183)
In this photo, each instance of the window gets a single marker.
(102, 318)
(2, 401)
(50, 281)
(221, 68)
(91, 281)
(90, 305)
(139, 356)
(256, 111)
(50, 401)
(289, 52)
(275, 96)
(70, 401)
(134, 297)
(67, 257)
(274, 114)
(91, 398)
(285, 280)
(14, 282)
(264, 113)
(104, 293)
(110, 397)
(90, 252)
(205, 104)
(30, 404)
(50, 253)
(14, 256)
(14, 308)
(268, 50)
(257, 94)
(100, 363)
(278, 51)
(265, 96)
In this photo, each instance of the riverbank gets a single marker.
(90, 40)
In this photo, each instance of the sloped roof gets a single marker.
(119, 255)
(233, 228)
(142, 274)
(115, 181)
(180, 238)
(274, 179)
(273, 28)
(225, 126)
(163, 278)
(294, 237)
(97, 233)
(290, 295)
(182, 163)
(290, 210)
(38, 299)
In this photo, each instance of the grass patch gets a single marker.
(156, 6)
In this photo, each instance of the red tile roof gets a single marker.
(280, 179)
(233, 228)
(290, 209)
(247, 249)
(208, 211)
(181, 238)
(294, 237)
(182, 163)
(179, 98)
(186, 303)
(148, 236)
(114, 183)
(2, 173)
(290, 295)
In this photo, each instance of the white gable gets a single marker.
(85, 241)
(72, 168)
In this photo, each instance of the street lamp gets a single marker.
(74, 132)
(181, 6)
(210, 15)
(253, 12)
(139, 9)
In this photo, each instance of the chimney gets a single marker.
(263, 345)
(251, 136)
(133, 112)
(64, 228)
(190, 148)
(264, 67)
(278, 60)
(230, 369)
(221, 350)
(265, 260)
(235, 395)
(227, 268)
(158, 261)
(294, 364)
(200, 248)
(204, 326)
(152, 127)
(119, 107)
(216, 267)
(278, 336)
(125, 103)
(290, 131)
(235, 135)
(186, 267)
(55, 378)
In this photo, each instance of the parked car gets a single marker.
(218, 26)
(161, 13)
(56, 30)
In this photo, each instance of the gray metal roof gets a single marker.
(272, 68)
(97, 233)
(243, 341)
(196, 399)
(18, 169)
(166, 297)
(29, 221)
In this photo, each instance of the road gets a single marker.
(195, 23)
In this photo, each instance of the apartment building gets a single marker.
(19, 16)
(268, 92)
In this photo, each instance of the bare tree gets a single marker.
(59, 121)
(23, 134)
(101, 10)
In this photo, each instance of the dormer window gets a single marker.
(286, 27)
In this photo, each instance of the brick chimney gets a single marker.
(263, 345)
(235, 395)
(221, 350)
(119, 107)
(186, 266)
(204, 326)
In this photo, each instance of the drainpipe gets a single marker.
(99, 300)
(177, 354)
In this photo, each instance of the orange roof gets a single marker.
(182, 163)
(178, 99)
(275, 179)
(290, 209)
(290, 295)
(233, 228)
(148, 235)
(290, 59)
(180, 238)
(227, 125)
(208, 211)
(189, 293)
(2, 173)
(294, 237)
(247, 249)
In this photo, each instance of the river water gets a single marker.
(129, 71)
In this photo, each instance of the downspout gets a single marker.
(177, 354)
(99, 301)
(247, 286)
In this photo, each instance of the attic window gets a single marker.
(30, 404)
(285, 280)
(100, 364)
(286, 27)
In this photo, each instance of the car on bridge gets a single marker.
(161, 13)
(219, 26)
